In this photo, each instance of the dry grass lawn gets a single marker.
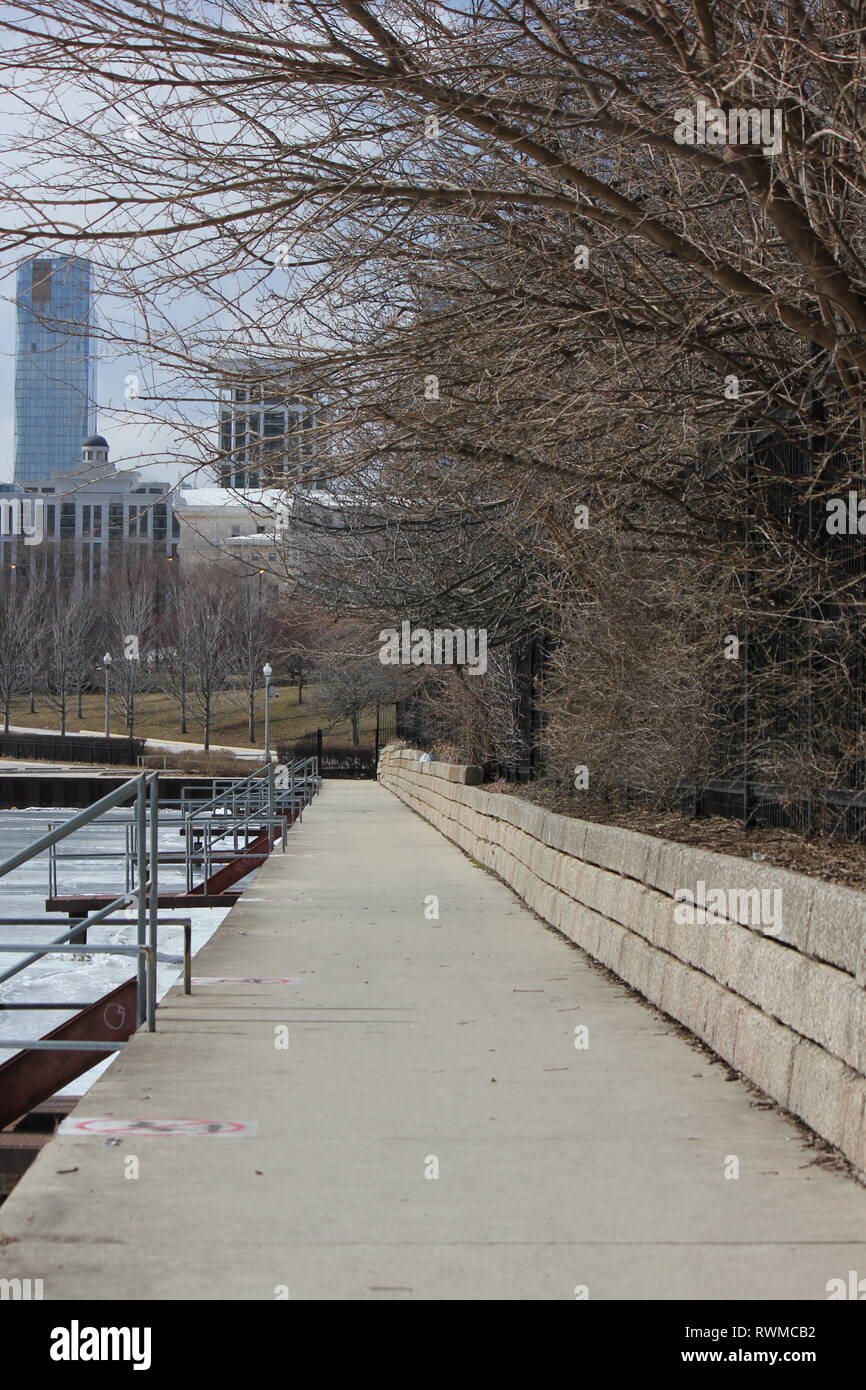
(158, 716)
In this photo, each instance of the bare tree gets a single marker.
(126, 621)
(350, 677)
(64, 639)
(252, 639)
(206, 606)
(173, 646)
(573, 346)
(19, 613)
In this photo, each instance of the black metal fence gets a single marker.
(835, 812)
(71, 748)
(336, 759)
(309, 745)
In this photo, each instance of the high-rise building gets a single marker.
(55, 365)
(267, 432)
(83, 527)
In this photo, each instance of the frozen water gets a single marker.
(85, 978)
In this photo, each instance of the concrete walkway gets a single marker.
(416, 1044)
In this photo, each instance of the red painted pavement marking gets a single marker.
(227, 1129)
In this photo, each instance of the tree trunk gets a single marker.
(356, 733)
(251, 712)
(183, 728)
(300, 690)
(32, 702)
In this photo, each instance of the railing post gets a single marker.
(77, 938)
(153, 901)
(141, 897)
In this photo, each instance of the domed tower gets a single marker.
(95, 449)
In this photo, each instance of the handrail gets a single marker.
(105, 803)
(144, 789)
(264, 798)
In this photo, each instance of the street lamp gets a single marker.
(267, 672)
(106, 662)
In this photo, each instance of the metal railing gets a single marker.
(244, 808)
(144, 898)
(271, 798)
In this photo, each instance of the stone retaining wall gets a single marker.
(779, 994)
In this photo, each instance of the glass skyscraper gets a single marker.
(55, 365)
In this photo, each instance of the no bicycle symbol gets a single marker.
(109, 1128)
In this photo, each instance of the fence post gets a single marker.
(153, 901)
(141, 897)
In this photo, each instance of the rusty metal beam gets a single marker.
(75, 904)
(32, 1076)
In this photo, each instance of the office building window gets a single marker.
(225, 432)
(132, 521)
(85, 520)
(40, 292)
(160, 522)
(115, 521)
(50, 522)
(67, 521)
(97, 520)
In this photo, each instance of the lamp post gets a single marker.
(267, 672)
(106, 662)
